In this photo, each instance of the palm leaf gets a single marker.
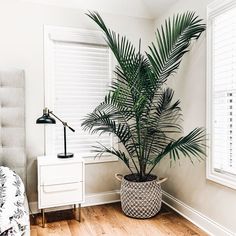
(173, 41)
(100, 150)
(188, 146)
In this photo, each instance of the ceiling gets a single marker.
(149, 9)
(157, 7)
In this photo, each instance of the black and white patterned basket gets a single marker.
(140, 199)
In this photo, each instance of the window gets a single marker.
(78, 69)
(221, 89)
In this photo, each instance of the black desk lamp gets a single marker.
(47, 119)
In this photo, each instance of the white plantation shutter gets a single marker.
(221, 92)
(224, 91)
(80, 71)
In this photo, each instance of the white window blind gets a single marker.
(80, 74)
(223, 73)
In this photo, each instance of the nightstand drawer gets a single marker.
(61, 194)
(61, 174)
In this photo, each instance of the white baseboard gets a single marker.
(90, 200)
(205, 223)
(102, 198)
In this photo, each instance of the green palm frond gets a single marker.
(138, 109)
(132, 68)
(102, 122)
(189, 146)
(100, 150)
(128, 59)
(173, 41)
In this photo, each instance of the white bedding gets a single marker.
(14, 218)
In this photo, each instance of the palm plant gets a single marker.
(138, 109)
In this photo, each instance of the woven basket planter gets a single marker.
(140, 199)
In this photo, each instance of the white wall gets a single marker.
(186, 182)
(21, 27)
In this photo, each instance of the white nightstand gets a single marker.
(60, 182)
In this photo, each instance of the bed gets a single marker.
(14, 211)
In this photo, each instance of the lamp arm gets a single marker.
(63, 122)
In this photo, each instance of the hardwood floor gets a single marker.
(109, 220)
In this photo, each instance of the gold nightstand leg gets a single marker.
(43, 218)
(75, 211)
(79, 212)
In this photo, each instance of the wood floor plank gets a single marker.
(176, 225)
(33, 231)
(77, 228)
(109, 220)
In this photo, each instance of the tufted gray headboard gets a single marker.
(12, 121)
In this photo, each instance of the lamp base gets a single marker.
(63, 155)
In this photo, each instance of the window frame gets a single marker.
(215, 8)
(69, 34)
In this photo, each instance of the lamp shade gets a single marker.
(45, 118)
